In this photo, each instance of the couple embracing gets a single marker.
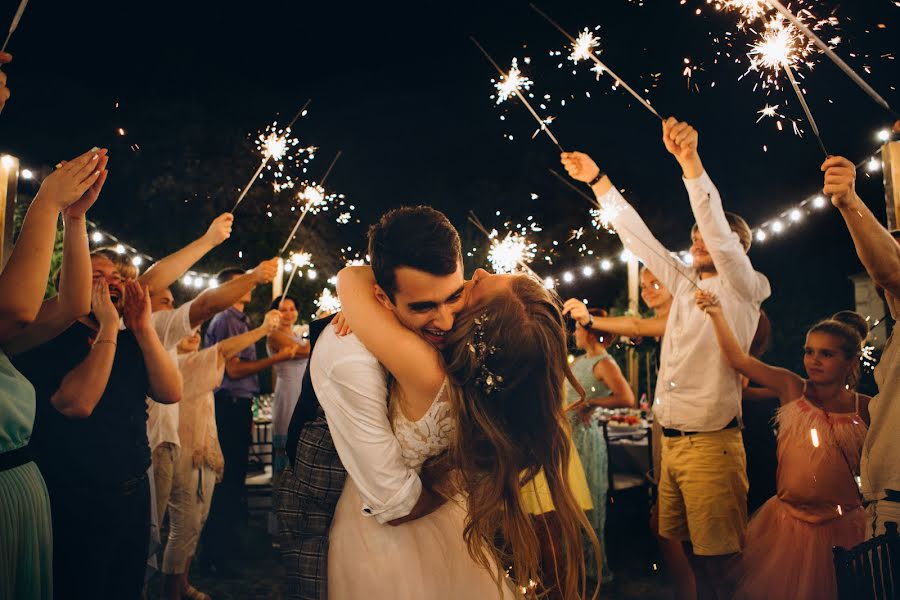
(440, 398)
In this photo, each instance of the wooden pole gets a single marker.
(9, 180)
(633, 366)
(890, 158)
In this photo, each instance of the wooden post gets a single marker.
(890, 158)
(633, 366)
(9, 180)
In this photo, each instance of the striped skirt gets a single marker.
(26, 537)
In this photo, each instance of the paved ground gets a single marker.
(631, 549)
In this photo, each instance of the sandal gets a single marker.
(192, 593)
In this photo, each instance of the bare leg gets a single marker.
(676, 561)
(714, 575)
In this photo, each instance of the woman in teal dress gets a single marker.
(606, 387)
(26, 539)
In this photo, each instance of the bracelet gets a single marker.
(595, 180)
(590, 322)
(103, 342)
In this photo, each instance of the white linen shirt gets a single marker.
(696, 389)
(162, 419)
(352, 388)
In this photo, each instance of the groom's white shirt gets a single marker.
(352, 388)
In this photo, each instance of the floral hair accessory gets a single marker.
(488, 381)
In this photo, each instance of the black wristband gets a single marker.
(590, 322)
(595, 180)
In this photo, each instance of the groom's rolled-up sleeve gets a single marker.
(352, 390)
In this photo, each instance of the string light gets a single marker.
(27, 174)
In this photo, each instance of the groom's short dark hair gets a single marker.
(418, 237)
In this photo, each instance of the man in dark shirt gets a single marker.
(234, 419)
(94, 453)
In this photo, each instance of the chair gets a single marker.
(870, 570)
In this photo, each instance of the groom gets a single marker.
(417, 262)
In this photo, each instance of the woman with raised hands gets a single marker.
(26, 546)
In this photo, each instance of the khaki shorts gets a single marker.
(703, 491)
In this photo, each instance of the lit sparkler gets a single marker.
(315, 199)
(508, 254)
(328, 302)
(272, 145)
(512, 83)
(750, 10)
(827, 50)
(582, 46)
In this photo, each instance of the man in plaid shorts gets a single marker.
(341, 424)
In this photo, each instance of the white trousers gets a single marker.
(192, 491)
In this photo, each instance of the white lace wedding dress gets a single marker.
(423, 559)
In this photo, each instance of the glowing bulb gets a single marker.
(687, 258)
(760, 235)
(96, 237)
(120, 249)
(873, 165)
(549, 283)
(213, 283)
(587, 271)
(568, 277)
(625, 256)
(795, 215)
(606, 264)
(312, 274)
(777, 227)
(27, 174)
(137, 261)
(884, 135)
(198, 283)
(187, 280)
(818, 202)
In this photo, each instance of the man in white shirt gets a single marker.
(703, 484)
(341, 424)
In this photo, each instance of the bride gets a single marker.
(489, 407)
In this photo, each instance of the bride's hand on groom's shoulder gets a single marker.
(341, 328)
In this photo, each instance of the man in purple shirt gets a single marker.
(234, 419)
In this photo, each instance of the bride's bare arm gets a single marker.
(413, 362)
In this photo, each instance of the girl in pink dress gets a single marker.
(822, 423)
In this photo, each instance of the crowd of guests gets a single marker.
(116, 415)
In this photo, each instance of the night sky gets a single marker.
(400, 89)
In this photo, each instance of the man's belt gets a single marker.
(678, 433)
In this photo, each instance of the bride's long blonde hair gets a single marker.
(507, 362)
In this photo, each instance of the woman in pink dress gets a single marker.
(822, 423)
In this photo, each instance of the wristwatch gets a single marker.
(600, 175)
(590, 322)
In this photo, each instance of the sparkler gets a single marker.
(780, 48)
(272, 146)
(831, 54)
(314, 194)
(505, 255)
(582, 48)
(328, 302)
(15, 23)
(511, 83)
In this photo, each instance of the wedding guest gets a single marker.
(200, 463)
(605, 387)
(26, 571)
(703, 484)
(822, 423)
(234, 419)
(288, 375)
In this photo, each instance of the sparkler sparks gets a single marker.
(602, 218)
(512, 83)
(583, 47)
(328, 302)
(514, 250)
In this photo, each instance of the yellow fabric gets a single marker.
(703, 491)
(536, 493)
